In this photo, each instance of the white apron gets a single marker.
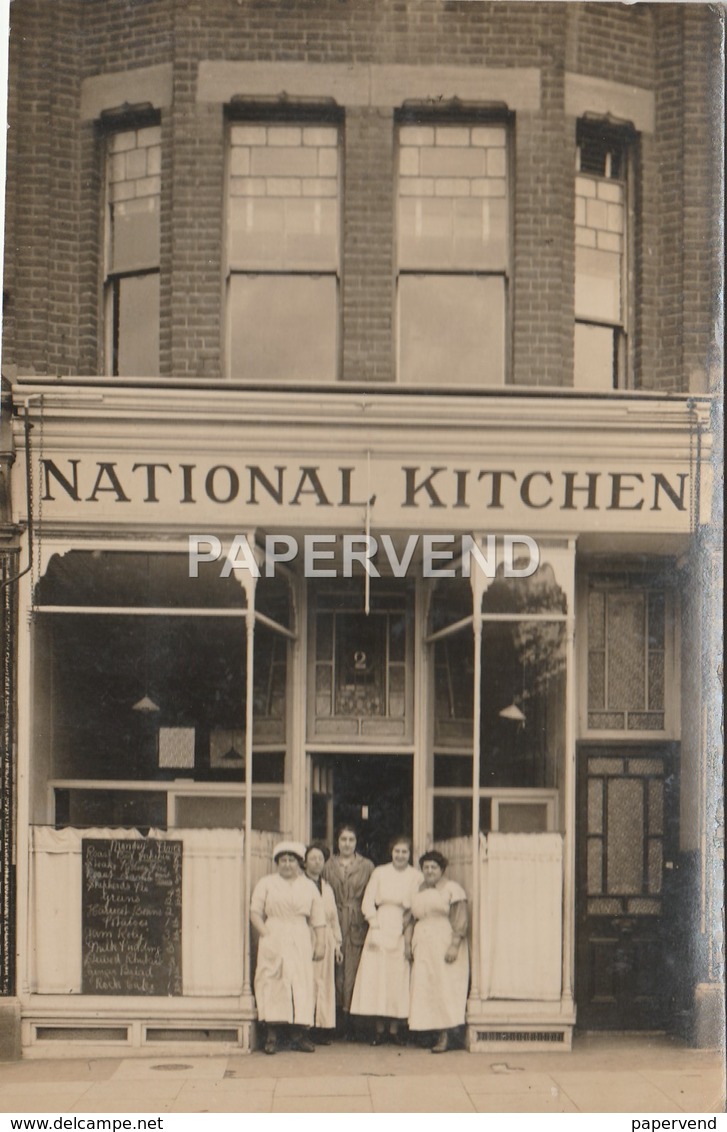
(382, 982)
(438, 989)
(284, 986)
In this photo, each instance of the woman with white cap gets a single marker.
(285, 907)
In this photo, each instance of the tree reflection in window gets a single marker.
(522, 691)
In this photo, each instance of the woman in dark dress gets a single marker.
(348, 874)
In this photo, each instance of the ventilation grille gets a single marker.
(190, 1035)
(520, 1036)
(81, 1034)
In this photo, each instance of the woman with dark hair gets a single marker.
(437, 945)
(382, 983)
(285, 911)
(316, 856)
(348, 873)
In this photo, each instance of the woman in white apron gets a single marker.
(316, 856)
(382, 982)
(437, 943)
(285, 907)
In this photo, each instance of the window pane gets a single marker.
(134, 235)
(278, 233)
(598, 285)
(522, 718)
(283, 197)
(460, 233)
(452, 328)
(453, 196)
(626, 645)
(625, 836)
(138, 326)
(593, 361)
(283, 328)
(522, 817)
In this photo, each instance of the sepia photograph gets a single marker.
(361, 558)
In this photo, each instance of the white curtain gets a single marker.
(522, 911)
(212, 907)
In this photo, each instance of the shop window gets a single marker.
(133, 193)
(283, 221)
(521, 704)
(453, 253)
(627, 657)
(139, 695)
(601, 269)
(361, 685)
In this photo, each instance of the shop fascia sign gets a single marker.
(335, 492)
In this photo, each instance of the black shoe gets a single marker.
(322, 1040)
(303, 1045)
(398, 1039)
(271, 1046)
(378, 1040)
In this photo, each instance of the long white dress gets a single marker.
(324, 969)
(284, 985)
(438, 988)
(382, 982)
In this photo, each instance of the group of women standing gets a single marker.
(338, 937)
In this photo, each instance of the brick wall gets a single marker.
(54, 258)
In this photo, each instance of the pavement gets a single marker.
(603, 1073)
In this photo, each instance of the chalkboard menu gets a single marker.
(132, 916)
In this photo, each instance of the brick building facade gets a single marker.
(261, 260)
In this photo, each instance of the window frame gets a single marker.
(626, 140)
(417, 115)
(111, 125)
(304, 115)
(634, 581)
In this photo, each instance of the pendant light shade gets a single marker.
(146, 706)
(512, 711)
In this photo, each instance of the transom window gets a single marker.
(133, 192)
(283, 251)
(627, 657)
(453, 249)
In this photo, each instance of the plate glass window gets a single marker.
(283, 252)
(133, 188)
(453, 247)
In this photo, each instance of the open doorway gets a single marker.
(372, 792)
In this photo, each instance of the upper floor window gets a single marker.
(283, 251)
(601, 273)
(453, 253)
(133, 188)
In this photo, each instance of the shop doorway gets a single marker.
(626, 893)
(372, 792)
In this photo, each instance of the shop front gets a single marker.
(257, 620)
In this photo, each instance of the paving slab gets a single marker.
(322, 1086)
(413, 1094)
(592, 1091)
(693, 1091)
(218, 1101)
(513, 1102)
(169, 1068)
(519, 1083)
(323, 1104)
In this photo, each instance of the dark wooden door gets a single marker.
(625, 851)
